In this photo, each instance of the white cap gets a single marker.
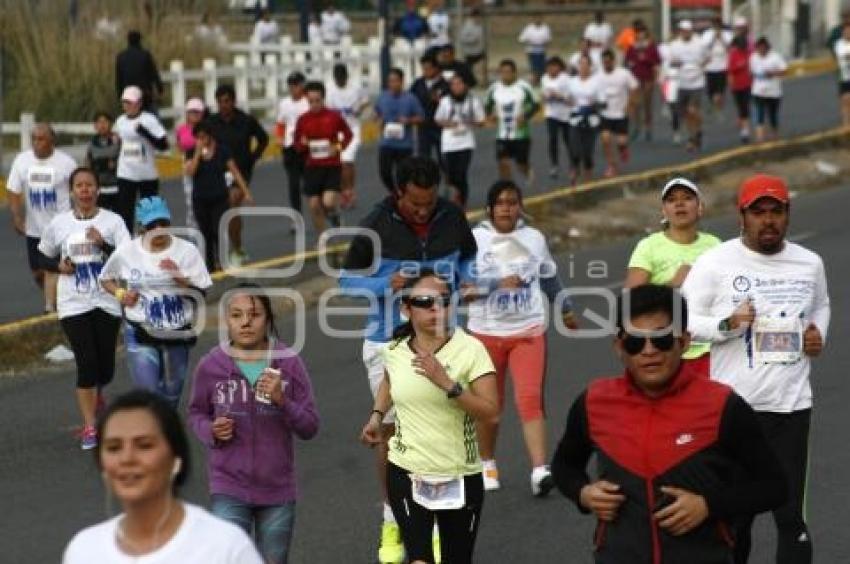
(195, 105)
(680, 183)
(739, 21)
(132, 94)
(686, 25)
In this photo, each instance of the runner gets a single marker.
(458, 113)
(586, 94)
(535, 37)
(717, 40)
(289, 110)
(397, 112)
(80, 240)
(440, 382)
(842, 57)
(209, 162)
(141, 136)
(414, 222)
(688, 55)
(741, 81)
(247, 140)
(767, 67)
(473, 43)
(644, 62)
(334, 25)
(668, 82)
(514, 269)
(102, 157)
(762, 302)
(677, 456)
(349, 99)
(557, 105)
(429, 89)
(250, 434)
(599, 33)
(439, 24)
(144, 461)
(450, 65)
(584, 49)
(511, 103)
(666, 257)
(619, 88)
(323, 135)
(38, 191)
(157, 277)
(185, 135)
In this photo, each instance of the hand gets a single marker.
(603, 499)
(683, 515)
(812, 341)
(247, 198)
(397, 281)
(468, 292)
(570, 321)
(19, 225)
(427, 365)
(93, 235)
(222, 429)
(743, 316)
(404, 120)
(171, 267)
(681, 274)
(66, 266)
(270, 384)
(130, 298)
(511, 282)
(372, 433)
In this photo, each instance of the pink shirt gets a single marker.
(185, 137)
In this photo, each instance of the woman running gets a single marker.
(440, 382)
(584, 119)
(82, 239)
(666, 257)
(741, 82)
(102, 157)
(159, 280)
(557, 106)
(457, 113)
(767, 67)
(249, 434)
(144, 461)
(515, 270)
(185, 135)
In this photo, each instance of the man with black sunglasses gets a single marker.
(677, 456)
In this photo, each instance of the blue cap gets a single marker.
(151, 209)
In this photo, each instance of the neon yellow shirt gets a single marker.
(434, 436)
(661, 257)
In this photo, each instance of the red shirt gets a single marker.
(740, 77)
(642, 61)
(317, 132)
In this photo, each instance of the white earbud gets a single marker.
(178, 465)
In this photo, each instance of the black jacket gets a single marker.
(135, 66)
(237, 134)
(429, 98)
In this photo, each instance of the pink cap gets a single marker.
(195, 105)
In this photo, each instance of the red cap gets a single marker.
(762, 186)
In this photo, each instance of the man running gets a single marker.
(717, 40)
(397, 112)
(38, 191)
(619, 89)
(688, 56)
(349, 99)
(511, 103)
(762, 302)
(429, 89)
(644, 61)
(289, 110)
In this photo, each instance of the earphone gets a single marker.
(178, 465)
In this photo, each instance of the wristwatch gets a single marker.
(724, 326)
(454, 391)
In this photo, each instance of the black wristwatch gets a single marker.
(454, 391)
(724, 326)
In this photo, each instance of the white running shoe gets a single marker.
(491, 476)
(541, 481)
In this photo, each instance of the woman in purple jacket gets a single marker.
(250, 396)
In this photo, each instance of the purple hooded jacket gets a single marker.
(257, 465)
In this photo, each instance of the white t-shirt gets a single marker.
(595, 60)
(691, 56)
(201, 539)
(585, 92)
(718, 51)
(346, 101)
(333, 26)
(615, 87)
(554, 90)
(509, 101)
(535, 37)
(162, 304)
(523, 253)
(288, 112)
(842, 57)
(65, 237)
(44, 186)
(137, 160)
(265, 32)
(763, 85)
(467, 114)
(438, 25)
(599, 33)
(789, 285)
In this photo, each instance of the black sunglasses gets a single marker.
(427, 302)
(634, 344)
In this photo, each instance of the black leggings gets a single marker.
(388, 160)
(582, 146)
(742, 103)
(458, 527)
(93, 336)
(293, 164)
(125, 202)
(208, 217)
(557, 128)
(457, 167)
(767, 108)
(788, 435)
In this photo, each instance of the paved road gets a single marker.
(810, 105)
(50, 489)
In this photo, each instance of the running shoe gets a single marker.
(237, 258)
(435, 546)
(491, 476)
(541, 481)
(391, 550)
(88, 438)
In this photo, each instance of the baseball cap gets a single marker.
(680, 183)
(131, 94)
(739, 21)
(151, 209)
(762, 186)
(686, 25)
(195, 105)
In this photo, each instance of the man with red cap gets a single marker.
(762, 302)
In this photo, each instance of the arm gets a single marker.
(199, 412)
(193, 163)
(636, 276)
(821, 311)
(300, 406)
(240, 181)
(481, 399)
(532, 105)
(569, 464)
(16, 207)
(360, 256)
(262, 138)
(346, 133)
(417, 114)
(699, 290)
(159, 143)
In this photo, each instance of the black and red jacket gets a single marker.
(699, 436)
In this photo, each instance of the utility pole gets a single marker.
(384, 37)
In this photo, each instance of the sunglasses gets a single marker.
(634, 344)
(427, 302)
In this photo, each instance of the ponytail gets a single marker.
(403, 331)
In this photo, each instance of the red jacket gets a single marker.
(316, 132)
(740, 77)
(643, 61)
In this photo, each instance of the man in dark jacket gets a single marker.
(678, 456)
(428, 89)
(135, 66)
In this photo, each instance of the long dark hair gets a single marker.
(257, 292)
(405, 330)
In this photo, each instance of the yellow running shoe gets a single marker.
(435, 546)
(391, 550)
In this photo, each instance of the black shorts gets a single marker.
(844, 88)
(516, 149)
(742, 102)
(715, 83)
(37, 260)
(615, 126)
(690, 98)
(321, 179)
(93, 336)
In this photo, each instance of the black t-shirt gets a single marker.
(209, 183)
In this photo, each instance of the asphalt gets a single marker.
(810, 105)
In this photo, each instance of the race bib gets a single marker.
(41, 177)
(133, 151)
(320, 149)
(393, 130)
(777, 341)
(438, 493)
(80, 250)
